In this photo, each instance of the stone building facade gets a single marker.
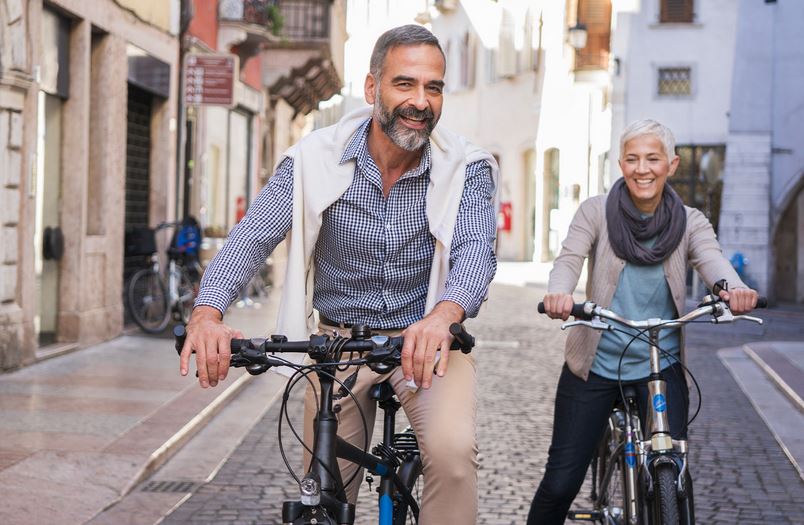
(68, 72)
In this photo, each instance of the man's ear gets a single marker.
(370, 89)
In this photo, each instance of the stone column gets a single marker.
(17, 140)
(74, 166)
(744, 213)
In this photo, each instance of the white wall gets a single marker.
(643, 45)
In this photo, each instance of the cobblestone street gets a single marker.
(741, 475)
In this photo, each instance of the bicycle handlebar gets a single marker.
(379, 350)
(590, 314)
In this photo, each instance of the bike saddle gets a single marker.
(381, 392)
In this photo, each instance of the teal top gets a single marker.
(642, 293)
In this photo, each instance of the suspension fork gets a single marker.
(631, 463)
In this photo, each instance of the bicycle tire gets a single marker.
(665, 501)
(611, 488)
(147, 299)
(410, 472)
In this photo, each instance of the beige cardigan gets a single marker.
(588, 237)
(319, 179)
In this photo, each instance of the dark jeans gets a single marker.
(581, 412)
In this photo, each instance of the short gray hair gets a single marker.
(641, 128)
(407, 35)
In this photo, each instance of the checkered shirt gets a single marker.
(373, 254)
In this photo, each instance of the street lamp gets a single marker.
(577, 35)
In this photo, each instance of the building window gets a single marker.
(596, 16)
(675, 81)
(676, 12)
(532, 44)
(699, 178)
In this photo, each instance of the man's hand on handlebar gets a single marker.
(558, 305)
(424, 338)
(741, 300)
(209, 338)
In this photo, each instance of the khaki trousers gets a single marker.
(443, 417)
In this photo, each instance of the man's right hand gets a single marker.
(210, 339)
(558, 305)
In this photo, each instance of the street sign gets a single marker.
(209, 79)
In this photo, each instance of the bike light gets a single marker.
(310, 492)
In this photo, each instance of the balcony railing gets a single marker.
(585, 61)
(305, 20)
(263, 13)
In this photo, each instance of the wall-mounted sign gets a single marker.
(209, 79)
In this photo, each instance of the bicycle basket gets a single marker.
(187, 238)
(140, 241)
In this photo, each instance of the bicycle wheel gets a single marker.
(665, 500)
(188, 291)
(410, 472)
(148, 301)
(611, 483)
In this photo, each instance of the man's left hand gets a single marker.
(424, 338)
(741, 300)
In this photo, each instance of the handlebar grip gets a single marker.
(762, 302)
(577, 311)
(463, 338)
(180, 334)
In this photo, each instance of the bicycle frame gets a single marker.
(322, 487)
(659, 448)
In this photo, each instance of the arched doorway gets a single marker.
(788, 245)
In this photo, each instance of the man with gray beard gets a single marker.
(391, 223)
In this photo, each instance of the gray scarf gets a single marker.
(627, 227)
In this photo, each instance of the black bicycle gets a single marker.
(396, 460)
(644, 479)
(152, 298)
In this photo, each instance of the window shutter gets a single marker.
(676, 12)
(596, 16)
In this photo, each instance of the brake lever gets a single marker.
(596, 323)
(751, 318)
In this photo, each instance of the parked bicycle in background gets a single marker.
(153, 298)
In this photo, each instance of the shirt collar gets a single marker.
(357, 150)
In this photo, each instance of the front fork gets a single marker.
(661, 446)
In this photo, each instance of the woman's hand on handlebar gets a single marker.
(210, 339)
(558, 305)
(741, 300)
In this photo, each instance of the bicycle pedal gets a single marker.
(581, 515)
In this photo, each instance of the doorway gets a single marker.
(48, 239)
(550, 241)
